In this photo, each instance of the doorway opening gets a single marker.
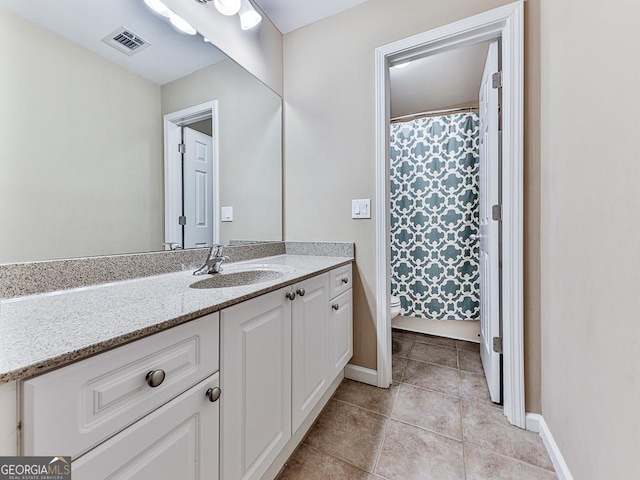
(502, 30)
(191, 176)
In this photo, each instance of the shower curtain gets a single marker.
(434, 216)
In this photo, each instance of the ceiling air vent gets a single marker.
(125, 41)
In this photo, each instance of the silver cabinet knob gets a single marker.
(155, 378)
(301, 292)
(291, 296)
(335, 306)
(213, 394)
(345, 280)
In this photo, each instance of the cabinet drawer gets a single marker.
(340, 280)
(83, 404)
(177, 441)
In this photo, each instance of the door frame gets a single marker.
(505, 23)
(173, 123)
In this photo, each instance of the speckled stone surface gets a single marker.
(17, 279)
(329, 249)
(42, 332)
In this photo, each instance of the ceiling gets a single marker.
(289, 15)
(438, 81)
(170, 56)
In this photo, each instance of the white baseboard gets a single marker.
(361, 374)
(532, 422)
(536, 423)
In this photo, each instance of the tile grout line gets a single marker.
(379, 451)
(464, 460)
(427, 429)
(344, 402)
(432, 390)
(342, 460)
(495, 452)
(502, 455)
(439, 365)
(444, 393)
(431, 342)
(426, 342)
(464, 454)
(384, 435)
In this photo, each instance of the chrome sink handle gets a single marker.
(173, 245)
(214, 261)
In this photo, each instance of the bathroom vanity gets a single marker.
(224, 383)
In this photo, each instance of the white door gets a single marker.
(255, 366)
(198, 191)
(489, 228)
(310, 346)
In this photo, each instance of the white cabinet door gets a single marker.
(310, 346)
(256, 384)
(341, 332)
(179, 440)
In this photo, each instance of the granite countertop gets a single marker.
(46, 331)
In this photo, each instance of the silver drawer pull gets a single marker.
(213, 394)
(345, 280)
(155, 378)
(335, 306)
(301, 292)
(291, 296)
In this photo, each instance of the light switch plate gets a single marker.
(226, 214)
(361, 208)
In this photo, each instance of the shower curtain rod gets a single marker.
(433, 113)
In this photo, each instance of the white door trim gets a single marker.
(173, 123)
(506, 23)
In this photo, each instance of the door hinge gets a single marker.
(182, 220)
(496, 79)
(181, 148)
(497, 344)
(496, 212)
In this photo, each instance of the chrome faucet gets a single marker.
(214, 261)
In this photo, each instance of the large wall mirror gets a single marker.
(120, 134)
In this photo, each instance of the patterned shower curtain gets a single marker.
(435, 215)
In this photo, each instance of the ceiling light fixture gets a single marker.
(249, 17)
(227, 7)
(182, 25)
(159, 7)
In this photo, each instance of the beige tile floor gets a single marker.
(436, 422)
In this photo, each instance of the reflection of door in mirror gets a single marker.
(191, 176)
(198, 189)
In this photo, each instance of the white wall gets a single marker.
(250, 149)
(590, 235)
(71, 124)
(258, 50)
